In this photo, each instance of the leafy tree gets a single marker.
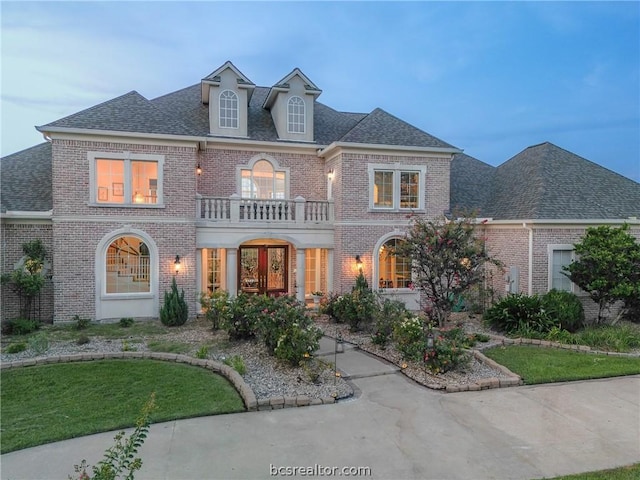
(607, 267)
(447, 259)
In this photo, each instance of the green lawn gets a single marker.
(630, 472)
(49, 403)
(546, 365)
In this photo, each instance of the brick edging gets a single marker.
(564, 346)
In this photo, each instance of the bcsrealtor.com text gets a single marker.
(318, 470)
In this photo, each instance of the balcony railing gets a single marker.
(235, 209)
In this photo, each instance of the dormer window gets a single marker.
(228, 109)
(295, 115)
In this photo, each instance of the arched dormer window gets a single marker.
(296, 115)
(394, 271)
(228, 109)
(263, 180)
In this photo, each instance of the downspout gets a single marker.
(530, 268)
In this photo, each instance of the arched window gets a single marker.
(295, 115)
(128, 266)
(394, 270)
(228, 109)
(263, 181)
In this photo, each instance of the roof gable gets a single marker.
(283, 85)
(215, 77)
(130, 112)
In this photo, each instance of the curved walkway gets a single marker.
(395, 428)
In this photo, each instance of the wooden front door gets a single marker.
(263, 269)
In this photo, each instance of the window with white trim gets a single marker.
(394, 270)
(295, 115)
(128, 266)
(312, 270)
(263, 180)
(228, 109)
(396, 187)
(560, 256)
(214, 269)
(126, 179)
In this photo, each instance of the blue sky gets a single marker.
(489, 77)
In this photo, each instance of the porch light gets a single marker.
(176, 263)
(359, 263)
(330, 174)
(198, 169)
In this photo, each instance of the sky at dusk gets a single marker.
(491, 78)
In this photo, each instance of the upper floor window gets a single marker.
(560, 256)
(263, 180)
(128, 266)
(396, 187)
(228, 109)
(394, 270)
(126, 179)
(295, 115)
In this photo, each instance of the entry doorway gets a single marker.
(263, 269)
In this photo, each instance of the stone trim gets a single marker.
(564, 346)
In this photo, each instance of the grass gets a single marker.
(630, 472)
(169, 347)
(546, 365)
(49, 403)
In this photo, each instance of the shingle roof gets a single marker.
(26, 180)
(128, 113)
(470, 184)
(382, 128)
(547, 182)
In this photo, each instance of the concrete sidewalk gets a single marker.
(395, 429)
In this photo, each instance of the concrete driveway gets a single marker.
(395, 429)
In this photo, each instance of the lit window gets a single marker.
(559, 256)
(397, 187)
(214, 269)
(312, 271)
(295, 115)
(128, 266)
(394, 270)
(228, 109)
(263, 181)
(134, 180)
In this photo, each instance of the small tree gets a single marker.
(447, 259)
(28, 278)
(607, 266)
(174, 311)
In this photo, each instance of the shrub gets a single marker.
(16, 347)
(237, 363)
(313, 368)
(619, 338)
(83, 340)
(564, 308)
(39, 343)
(22, 326)
(126, 322)
(519, 312)
(560, 335)
(390, 313)
(216, 307)
(174, 311)
(409, 337)
(241, 321)
(448, 351)
(203, 352)
(81, 323)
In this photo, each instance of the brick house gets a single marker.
(229, 185)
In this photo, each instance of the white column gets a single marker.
(329, 270)
(232, 271)
(199, 277)
(301, 255)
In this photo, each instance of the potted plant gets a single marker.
(317, 295)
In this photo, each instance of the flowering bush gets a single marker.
(241, 320)
(216, 307)
(408, 336)
(448, 351)
(390, 313)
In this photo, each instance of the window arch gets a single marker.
(127, 266)
(263, 180)
(228, 109)
(394, 271)
(296, 115)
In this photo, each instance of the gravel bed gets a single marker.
(264, 374)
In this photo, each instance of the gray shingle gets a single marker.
(470, 184)
(26, 180)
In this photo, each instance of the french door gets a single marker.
(263, 269)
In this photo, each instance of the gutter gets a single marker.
(27, 215)
(374, 146)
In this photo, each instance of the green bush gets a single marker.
(21, 326)
(519, 313)
(241, 321)
(203, 352)
(390, 313)
(126, 322)
(83, 339)
(216, 307)
(409, 338)
(613, 338)
(39, 343)
(81, 323)
(448, 351)
(299, 337)
(16, 347)
(174, 311)
(237, 363)
(357, 308)
(564, 308)
(560, 335)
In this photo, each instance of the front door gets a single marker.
(263, 269)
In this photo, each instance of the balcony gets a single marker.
(298, 212)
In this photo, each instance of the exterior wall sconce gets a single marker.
(359, 263)
(330, 174)
(176, 264)
(198, 169)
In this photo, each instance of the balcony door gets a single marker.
(263, 269)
